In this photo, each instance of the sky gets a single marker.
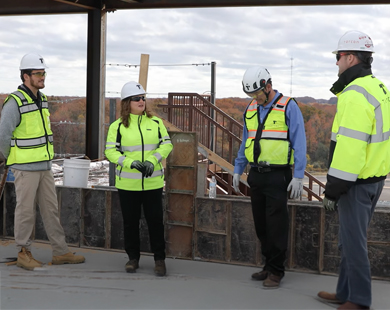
(294, 43)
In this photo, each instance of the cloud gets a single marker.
(294, 43)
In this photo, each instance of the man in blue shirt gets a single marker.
(273, 141)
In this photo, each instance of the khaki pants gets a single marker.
(33, 187)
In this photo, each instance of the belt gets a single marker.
(262, 169)
(268, 169)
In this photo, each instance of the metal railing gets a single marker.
(216, 130)
(220, 133)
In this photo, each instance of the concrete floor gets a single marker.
(102, 283)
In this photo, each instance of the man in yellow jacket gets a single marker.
(359, 162)
(26, 141)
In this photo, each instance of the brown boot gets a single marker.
(68, 258)
(351, 305)
(329, 297)
(131, 266)
(272, 281)
(160, 269)
(26, 260)
(260, 276)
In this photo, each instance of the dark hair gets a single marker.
(126, 110)
(25, 71)
(365, 57)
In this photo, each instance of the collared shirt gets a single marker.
(297, 136)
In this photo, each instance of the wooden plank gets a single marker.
(225, 166)
(143, 71)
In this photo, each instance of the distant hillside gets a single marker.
(307, 99)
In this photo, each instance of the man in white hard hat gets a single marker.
(358, 164)
(273, 141)
(26, 141)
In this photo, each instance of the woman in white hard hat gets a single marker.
(137, 142)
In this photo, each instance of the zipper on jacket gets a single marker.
(44, 126)
(142, 150)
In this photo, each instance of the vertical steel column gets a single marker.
(111, 173)
(95, 82)
(212, 100)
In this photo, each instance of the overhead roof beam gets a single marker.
(23, 7)
(156, 4)
(86, 4)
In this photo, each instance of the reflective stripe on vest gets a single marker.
(277, 134)
(31, 142)
(379, 136)
(144, 139)
(274, 144)
(32, 139)
(138, 175)
(362, 147)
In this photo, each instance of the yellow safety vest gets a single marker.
(271, 143)
(32, 139)
(145, 139)
(361, 130)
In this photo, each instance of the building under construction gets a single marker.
(211, 243)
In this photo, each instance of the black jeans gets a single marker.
(151, 201)
(270, 214)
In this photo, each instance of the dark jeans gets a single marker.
(131, 202)
(356, 209)
(270, 215)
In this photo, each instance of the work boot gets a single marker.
(159, 268)
(26, 260)
(131, 266)
(260, 276)
(272, 281)
(68, 258)
(351, 305)
(329, 297)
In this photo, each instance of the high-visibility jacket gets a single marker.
(269, 143)
(32, 139)
(146, 139)
(361, 132)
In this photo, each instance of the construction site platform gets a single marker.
(102, 283)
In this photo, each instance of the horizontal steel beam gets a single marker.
(24, 7)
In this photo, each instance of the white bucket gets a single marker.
(76, 172)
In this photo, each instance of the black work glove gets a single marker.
(136, 164)
(329, 205)
(149, 168)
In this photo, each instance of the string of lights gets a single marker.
(166, 65)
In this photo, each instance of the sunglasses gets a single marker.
(39, 74)
(138, 98)
(338, 55)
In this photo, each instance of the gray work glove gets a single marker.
(296, 187)
(149, 168)
(136, 164)
(329, 205)
(236, 182)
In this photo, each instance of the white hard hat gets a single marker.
(355, 41)
(32, 61)
(132, 89)
(255, 78)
